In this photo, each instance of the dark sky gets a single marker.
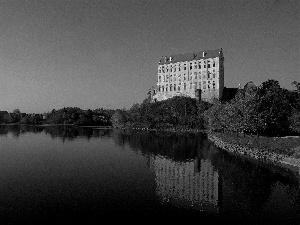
(93, 54)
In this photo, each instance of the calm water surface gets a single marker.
(85, 175)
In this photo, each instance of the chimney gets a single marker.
(198, 94)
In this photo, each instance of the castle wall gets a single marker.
(185, 77)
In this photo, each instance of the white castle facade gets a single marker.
(197, 75)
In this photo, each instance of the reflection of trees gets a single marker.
(61, 132)
(178, 146)
(246, 186)
(3, 130)
(72, 132)
(17, 130)
(283, 201)
(183, 177)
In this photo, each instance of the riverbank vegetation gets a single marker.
(266, 110)
(177, 113)
(66, 116)
(288, 146)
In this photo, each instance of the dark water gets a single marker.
(51, 175)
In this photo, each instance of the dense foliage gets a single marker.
(175, 113)
(267, 109)
(69, 115)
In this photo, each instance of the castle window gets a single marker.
(178, 88)
(174, 87)
(184, 68)
(184, 86)
(171, 87)
(163, 89)
(191, 67)
(214, 64)
(208, 65)
(158, 88)
(214, 85)
(195, 66)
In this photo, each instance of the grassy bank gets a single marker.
(288, 146)
(284, 152)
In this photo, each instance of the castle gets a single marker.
(197, 75)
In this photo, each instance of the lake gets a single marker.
(73, 174)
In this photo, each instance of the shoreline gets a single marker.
(59, 124)
(281, 160)
(255, 154)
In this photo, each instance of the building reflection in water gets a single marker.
(187, 184)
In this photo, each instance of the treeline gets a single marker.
(267, 110)
(77, 116)
(69, 115)
(176, 113)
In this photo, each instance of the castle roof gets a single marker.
(186, 57)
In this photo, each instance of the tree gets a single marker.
(274, 107)
(16, 116)
(294, 121)
(17, 111)
(297, 85)
(25, 120)
(118, 119)
(214, 117)
(7, 118)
